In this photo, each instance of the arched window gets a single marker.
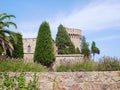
(29, 48)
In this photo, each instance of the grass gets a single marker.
(20, 66)
(85, 66)
(104, 64)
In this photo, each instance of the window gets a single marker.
(29, 48)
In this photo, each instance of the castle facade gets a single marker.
(30, 43)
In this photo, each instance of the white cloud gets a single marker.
(97, 15)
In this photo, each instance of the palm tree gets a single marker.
(5, 34)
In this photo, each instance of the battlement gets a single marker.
(73, 31)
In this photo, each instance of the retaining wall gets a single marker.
(108, 80)
(67, 59)
(60, 59)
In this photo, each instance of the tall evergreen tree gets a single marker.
(72, 49)
(94, 49)
(18, 47)
(44, 51)
(85, 48)
(63, 41)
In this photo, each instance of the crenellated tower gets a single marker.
(75, 36)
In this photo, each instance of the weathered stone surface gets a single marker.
(76, 80)
(116, 79)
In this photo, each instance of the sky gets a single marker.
(99, 20)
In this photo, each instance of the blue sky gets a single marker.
(99, 20)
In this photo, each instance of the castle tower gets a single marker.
(75, 36)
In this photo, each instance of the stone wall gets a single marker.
(60, 59)
(68, 59)
(28, 57)
(108, 80)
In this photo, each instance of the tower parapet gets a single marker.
(75, 36)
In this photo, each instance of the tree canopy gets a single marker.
(94, 49)
(44, 51)
(6, 34)
(85, 48)
(18, 47)
(63, 42)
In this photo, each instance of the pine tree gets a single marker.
(44, 51)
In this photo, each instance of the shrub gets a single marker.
(107, 63)
(18, 82)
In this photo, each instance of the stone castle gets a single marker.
(29, 43)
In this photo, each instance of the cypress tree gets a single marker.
(63, 41)
(94, 49)
(72, 49)
(85, 48)
(18, 47)
(44, 51)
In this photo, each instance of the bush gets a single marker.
(108, 64)
(17, 82)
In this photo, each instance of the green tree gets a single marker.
(44, 51)
(63, 41)
(72, 49)
(6, 34)
(77, 51)
(94, 49)
(85, 48)
(18, 47)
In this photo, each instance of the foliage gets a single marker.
(21, 82)
(84, 48)
(17, 82)
(104, 64)
(18, 65)
(63, 42)
(71, 48)
(6, 34)
(44, 51)
(77, 51)
(84, 66)
(18, 47)
(94, 49)
(108, 63)
(33, 85)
